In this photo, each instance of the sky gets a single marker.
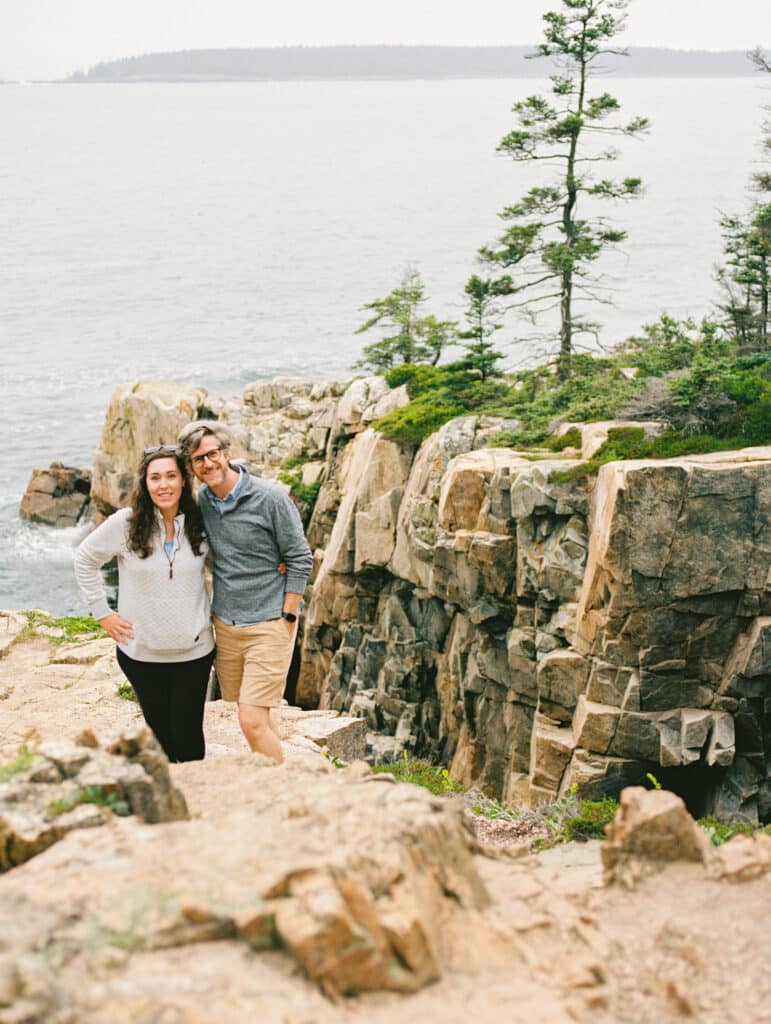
(51, 38)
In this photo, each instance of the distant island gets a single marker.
(300, 63)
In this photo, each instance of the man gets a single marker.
(252, 526)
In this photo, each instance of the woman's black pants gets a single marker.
(172, 697)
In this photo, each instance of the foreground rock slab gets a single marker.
(353, 880)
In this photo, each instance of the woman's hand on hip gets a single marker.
(118, 628)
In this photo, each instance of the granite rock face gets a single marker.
(57, 496)
(270, 423)
(531, 632)
(536, 634)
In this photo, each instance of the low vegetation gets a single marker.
(695, 378)
(422, 773)
(563, 821)
(719, 832)
(126, 691)
(66, 629)
(88, 795)
(305, 495)
(20, 762)
(566, 820)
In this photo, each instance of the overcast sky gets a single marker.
(50, 38)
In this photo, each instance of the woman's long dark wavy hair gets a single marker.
(143, 525)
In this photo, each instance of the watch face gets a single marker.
(289, 616)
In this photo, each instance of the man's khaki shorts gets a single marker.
(252, 661)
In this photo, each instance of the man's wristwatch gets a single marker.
(289, 616)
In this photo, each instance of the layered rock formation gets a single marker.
(539, 634)
(533, 633)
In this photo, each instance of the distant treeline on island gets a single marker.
(384, 62)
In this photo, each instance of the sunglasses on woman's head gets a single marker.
(173, 449)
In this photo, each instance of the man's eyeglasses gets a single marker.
(172, 449)
(213, 455)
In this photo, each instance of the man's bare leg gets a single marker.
(260, 733)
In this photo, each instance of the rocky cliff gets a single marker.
(532, 633)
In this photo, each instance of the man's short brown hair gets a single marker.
(190, 436)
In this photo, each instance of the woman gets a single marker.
(162, 626)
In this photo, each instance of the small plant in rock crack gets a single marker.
(88, 795)
(126, 691)
(486, 807)
(571, 819)
(333, 760)
(20, 762)
(422, 773)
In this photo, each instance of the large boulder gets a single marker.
(57, 496)
(652, 826)
(139, 415)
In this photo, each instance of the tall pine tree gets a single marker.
(549, 245)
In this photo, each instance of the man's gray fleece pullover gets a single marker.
(248, 539)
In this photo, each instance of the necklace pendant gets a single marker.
(171, 573)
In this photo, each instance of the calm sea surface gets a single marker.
(221, 233)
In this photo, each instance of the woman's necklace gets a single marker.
(171, 558)
(171, 555)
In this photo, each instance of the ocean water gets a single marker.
(223, 233)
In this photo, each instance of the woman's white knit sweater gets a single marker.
(162, 596)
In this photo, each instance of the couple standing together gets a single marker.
(163, 625)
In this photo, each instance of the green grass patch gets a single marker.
(570, 819)
(720, 832)
(566, 820)
(66, 629)
(631, 443)
(437, 394)
(422, 773)
(570, 439)
(76, 628)
(88, 795)
(591, 819)
(126, 691)
(305, 493)
(20, 762)
(294, 461)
